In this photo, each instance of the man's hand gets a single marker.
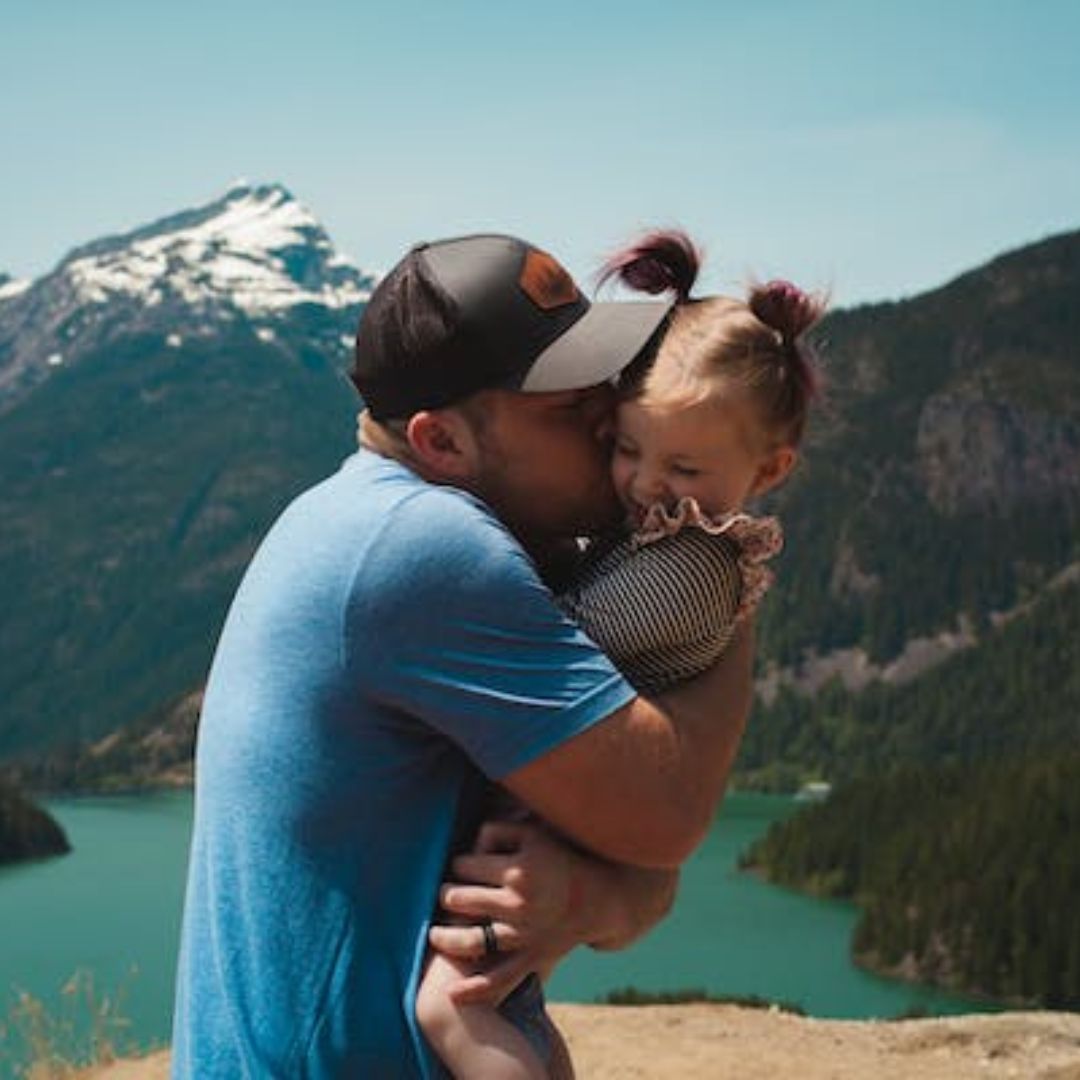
(522, 879)
(543, 897)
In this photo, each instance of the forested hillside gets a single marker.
(968, 876)
(1018, 691)
(158, 409)
(942, 476)
(157, 412)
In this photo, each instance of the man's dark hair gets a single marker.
(409, 314)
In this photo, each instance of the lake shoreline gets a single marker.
(111, 911)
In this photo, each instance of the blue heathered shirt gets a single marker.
(389, 642)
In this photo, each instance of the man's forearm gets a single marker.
(710, 715)
(643, 786)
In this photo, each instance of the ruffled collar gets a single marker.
(758, 539)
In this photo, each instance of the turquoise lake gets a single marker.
(112, 909)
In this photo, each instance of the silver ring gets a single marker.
(491, 942)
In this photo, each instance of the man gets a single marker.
(391, 645)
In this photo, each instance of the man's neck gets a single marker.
(388, 439)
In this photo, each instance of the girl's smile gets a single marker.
(712, 452)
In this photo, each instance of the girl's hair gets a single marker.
(718, 343)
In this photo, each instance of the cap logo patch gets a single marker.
(545, 282)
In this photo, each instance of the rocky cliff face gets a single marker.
(155, 752)
(993, 456)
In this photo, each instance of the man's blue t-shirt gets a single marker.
(389, 645)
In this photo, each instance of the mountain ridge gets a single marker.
(138, 472)
(254, 255)
(145, 445)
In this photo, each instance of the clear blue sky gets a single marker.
(877, 148)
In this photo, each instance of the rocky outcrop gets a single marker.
(154, 753)
(979, 454)
(26, 831)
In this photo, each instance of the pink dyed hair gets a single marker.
(714, 343)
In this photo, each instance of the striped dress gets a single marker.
(663, 602)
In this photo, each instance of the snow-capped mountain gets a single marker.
(255, 255)
(10, 287)
(163, 394)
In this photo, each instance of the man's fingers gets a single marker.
(481, 869)
(461, 942)
(480, 902)
(499, 837)
(469, 942)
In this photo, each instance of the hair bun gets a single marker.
(665, 260)
(785, 308)
(789, 311)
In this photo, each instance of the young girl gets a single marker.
(711, 420)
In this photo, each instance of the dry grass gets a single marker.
(87, 1028)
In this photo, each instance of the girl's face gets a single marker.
(713, 451)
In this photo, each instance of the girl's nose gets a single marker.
(648, 486)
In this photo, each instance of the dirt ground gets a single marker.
(704, 1042)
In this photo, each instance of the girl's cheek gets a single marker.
(621, 476)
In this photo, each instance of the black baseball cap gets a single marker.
(488, 312)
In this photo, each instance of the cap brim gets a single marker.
(597, 347)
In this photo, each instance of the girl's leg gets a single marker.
(473, 1041)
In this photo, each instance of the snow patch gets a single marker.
(174, 341)
(55, 359)
(264, 333)
(234, 255)
(14, 288)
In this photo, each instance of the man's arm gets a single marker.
(642, 786)
(471, 644)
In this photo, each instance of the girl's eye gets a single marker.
(624, 449)
(685, 470)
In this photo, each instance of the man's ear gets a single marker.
(774, 470)
(443, 444)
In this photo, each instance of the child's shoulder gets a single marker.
(755, 540)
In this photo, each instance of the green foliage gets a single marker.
(134, 488)
(631, 995)
(967, 875)
(1019, 690)
(1004, 335)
